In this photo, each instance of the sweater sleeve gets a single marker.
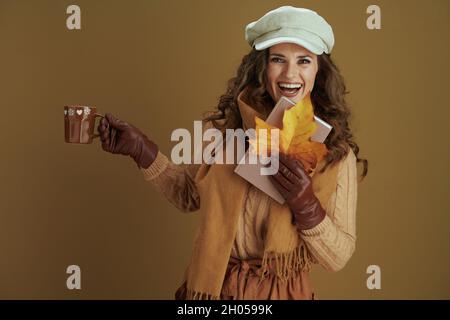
(175, 182)
(332, 242)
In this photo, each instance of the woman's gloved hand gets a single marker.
(295, 186)
(120, 137)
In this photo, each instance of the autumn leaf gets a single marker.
(262, 142)
(298, 124)
(294, 137)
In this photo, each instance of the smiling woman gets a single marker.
(249, 246)
(264, 76)
(291, 71)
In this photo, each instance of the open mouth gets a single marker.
(289, 89)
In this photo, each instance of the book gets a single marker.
(252, 172)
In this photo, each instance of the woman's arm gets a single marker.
(332, 241)
(175, 182)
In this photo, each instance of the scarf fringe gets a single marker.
(195, 295)
(288, 264)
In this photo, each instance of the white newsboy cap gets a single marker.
(294, 25)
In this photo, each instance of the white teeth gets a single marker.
(290, 85)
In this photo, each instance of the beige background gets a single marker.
(159, 65)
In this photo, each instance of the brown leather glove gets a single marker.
(295, 186)
(120, 137)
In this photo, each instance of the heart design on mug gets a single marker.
(79, 112)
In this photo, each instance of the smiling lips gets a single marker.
(289, 89)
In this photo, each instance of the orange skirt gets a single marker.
(244, 281)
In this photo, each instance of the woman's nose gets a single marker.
(292, 70)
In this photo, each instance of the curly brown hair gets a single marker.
(327, 96)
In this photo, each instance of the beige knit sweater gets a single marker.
(331, 243)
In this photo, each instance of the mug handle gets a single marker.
(96, 135)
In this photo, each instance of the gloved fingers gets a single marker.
(288, 174)
(113, 134)
(104, 135)
(294, 166)
(283, 181)
(105, 145)
(103, 129)
(103, 132)
(282, 190)
(102, 125)
(114, 141)
(116, 123)
(104, 122)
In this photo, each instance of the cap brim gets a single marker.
(271, 42)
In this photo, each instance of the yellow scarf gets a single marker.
(222, 197)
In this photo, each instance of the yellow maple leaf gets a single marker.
(262, 142)
(298, 124)
(294, 137)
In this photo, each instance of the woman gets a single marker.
(249, 246)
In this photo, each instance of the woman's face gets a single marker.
(291, 71)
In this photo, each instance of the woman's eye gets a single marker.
(276, 60)
(304, 61)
